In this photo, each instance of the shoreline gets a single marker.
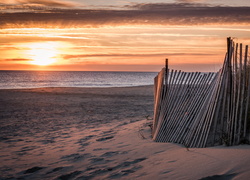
(78, 87)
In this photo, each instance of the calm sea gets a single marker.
(36, 79)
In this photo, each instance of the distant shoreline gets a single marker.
(80, 71)
(77, 87)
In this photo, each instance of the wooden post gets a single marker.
(166, 74)
(166, 64)
(247, 93)
(229, 87)
(241, 98)
(247, 106)
(235, 90)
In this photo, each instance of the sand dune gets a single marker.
(99, 133)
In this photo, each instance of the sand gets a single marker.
(100, 133)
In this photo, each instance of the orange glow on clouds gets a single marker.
(120, 48)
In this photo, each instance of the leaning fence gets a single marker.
(205, 109)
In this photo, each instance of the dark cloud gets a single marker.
(166, 6)
(188, 1)
(160, 14)
(16, 59)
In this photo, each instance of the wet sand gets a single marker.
(99, 133)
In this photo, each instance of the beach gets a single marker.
(100, 133)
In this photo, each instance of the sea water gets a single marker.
(37, 79)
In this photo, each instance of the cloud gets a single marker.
(134, 55)
(167, 7)
(16, 59)
(9, 48)
(188, 1)
(147, 14)
(34, 5)
(55, 3)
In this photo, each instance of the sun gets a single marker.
(43, 54)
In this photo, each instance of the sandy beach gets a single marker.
(100, 133)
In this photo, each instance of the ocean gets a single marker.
(37, 79)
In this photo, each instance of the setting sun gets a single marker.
(43, 53)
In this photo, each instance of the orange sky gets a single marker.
(120, 40)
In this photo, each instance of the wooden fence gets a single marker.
(205, 109)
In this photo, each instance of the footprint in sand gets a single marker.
(223, 176)
(105, 138)
(110, 154)
(70, 175)
(75, 157)
(33, 169)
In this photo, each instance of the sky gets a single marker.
(119, 35)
